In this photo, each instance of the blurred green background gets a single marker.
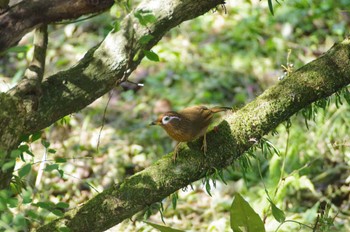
(221, 58)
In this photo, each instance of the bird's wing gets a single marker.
(199, 117)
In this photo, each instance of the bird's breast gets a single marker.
(185, 132)
(180, 135)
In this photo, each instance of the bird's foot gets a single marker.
(176, 151)
(174, 156)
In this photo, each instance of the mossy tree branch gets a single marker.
(237, 133)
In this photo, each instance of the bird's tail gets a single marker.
(217, 109)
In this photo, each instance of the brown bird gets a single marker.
(188, 124)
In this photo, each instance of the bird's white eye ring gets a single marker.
(165, 119)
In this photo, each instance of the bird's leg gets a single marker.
(176, 150)
(204, 146)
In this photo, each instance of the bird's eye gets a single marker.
(165, 119)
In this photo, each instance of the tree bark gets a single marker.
(27, 15)
(237, 133)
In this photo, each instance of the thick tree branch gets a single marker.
(237, 133)
(25, 16)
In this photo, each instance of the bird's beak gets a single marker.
(153, 123)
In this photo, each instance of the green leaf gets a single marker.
(51, 167)
(17, 185)
(221, 175)
(22, 157)
(15, 153)
(174, 200)
(12, 202)
(45, 143)
(24, 138)
(61, 172)
(20, 221)
(7, 217)
(276, 212)
(57, 212)
(8, 165)
(29, 153)
(35, 136)
(147, 214)
(45, 205)
(242, 215)
(65, 120)
(338, 101)
(207, 186)
(24, 170)
(60, 160)
(27, 197)
(145, 17)
(19, 49)
(62, 205)
(24, 148)
(116, 26)
(161, 210)
(32, 214)
(53, 151)
(151, 55)
(145, 39)
(270, 6)
(149, 18)
(346, 95)
(270, 145)
(64, 229)
(2, 156)
(138, 15)
(163, 228)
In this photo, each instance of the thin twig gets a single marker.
(82, 180)
(316, 224)
(77, 20)
(103, 121)
(299, 223)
